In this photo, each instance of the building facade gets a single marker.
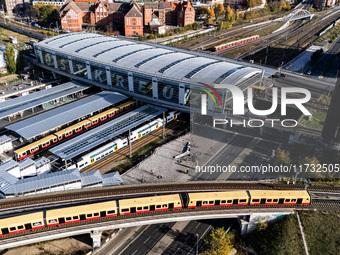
(169, 13)
(318, 4)
(14, 6)
(123, 17)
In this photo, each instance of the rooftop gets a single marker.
(105, 132)
(44, 122)
(156, 60)
(22, 103)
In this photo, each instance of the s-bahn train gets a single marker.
(234, 43)
(148, 204)
(83, 125)
(119, 143)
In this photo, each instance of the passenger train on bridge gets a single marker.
(148, 204)
(235, 43)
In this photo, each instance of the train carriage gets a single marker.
(127, 105)
(149, 204)
(27, 150)
(81, 213)
(21, 223)
(279, 197)
(234, 43)
(227, 198)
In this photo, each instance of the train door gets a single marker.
(156, 126)
(139, 136)
(152, 208)
(102, 214)
(61, 220)
(235, 202)
(198, 203)
(28, 226)
(263, 201)
(82, 217)
(281, 201)
(299, 201)
(217, 202)
(132, 209)
(92, 160)
(171, 206)
(116, 148)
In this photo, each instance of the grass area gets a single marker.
(328, 35)
(280, 238)
(21, 38)
(322, 232)
(283, 237)
(317, 121)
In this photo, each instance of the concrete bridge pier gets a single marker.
(96, 238)
(244, 223)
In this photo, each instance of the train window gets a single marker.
(20, 227)
(12, 229)
(158, 206)
(111, 151)
(243, 200)
(81, 165)
(68, 218)
(52, 221)
(139, 208)
(89, 215)
(223, 201)
(205, 202)
(111, 212)
(211, 202)
(125, 210)
(96, 214)
(75, 217)
(145, 207)
(229, 201)
(256, 200)
(275, 200)
(287, 200)
(165, 206)
(293, 200)
(269, 200)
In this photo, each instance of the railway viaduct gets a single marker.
(247, 218)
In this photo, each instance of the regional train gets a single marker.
(119, 143)
(83, 125)
(147, 204)
(234, 43)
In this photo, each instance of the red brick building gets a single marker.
(169, 13)
(75, 14)
(124, 17)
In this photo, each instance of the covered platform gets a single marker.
(48, 121)
(104, 133)
(20, 104)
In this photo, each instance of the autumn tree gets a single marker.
(220, 242)
(282, 157)
(10, 58)
(211, 16)
(203, 10)
(218, 10)
(229, 14)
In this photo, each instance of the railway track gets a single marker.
(320, 205)
(125, 152)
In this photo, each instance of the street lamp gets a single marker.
(197, 243)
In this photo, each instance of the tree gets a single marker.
(229, 14)
(261, 225)
(224, 25)
(218, 10)
(10, 58)
(282, 157)
(48, 14)
(220, 242)
(203, 10)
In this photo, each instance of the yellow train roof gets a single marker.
(278, 194)
(218, 195)
(21, 220)
(149, 200)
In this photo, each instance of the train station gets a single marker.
(149, 72)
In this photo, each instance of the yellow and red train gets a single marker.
(148, 204)
(43, 143)
(234, 43)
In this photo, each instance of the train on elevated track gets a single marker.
(149, 204)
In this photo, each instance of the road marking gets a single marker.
(147, 239)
